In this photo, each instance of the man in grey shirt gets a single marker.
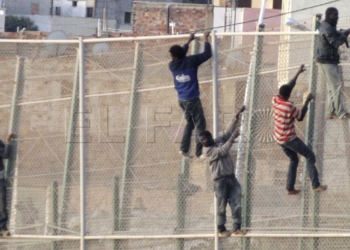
(226, 185)
(4, 154)
(329, 40)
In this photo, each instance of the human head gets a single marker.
(206, 138)
(177, 52)
(332, 15)
(285, 91)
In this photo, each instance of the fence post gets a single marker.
(115, 209)
(82, 141)
(215, 117)
(11, 173)
(54, 211)
(309, 139)
(181, 203)
(126, 191)
(71, 141)
(249, 172)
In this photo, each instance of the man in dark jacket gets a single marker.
(4, 154)
(329, 40)
(184, 69)
(226, 185)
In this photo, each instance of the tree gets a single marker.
(12, 22)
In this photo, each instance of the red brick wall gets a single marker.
(150, 18)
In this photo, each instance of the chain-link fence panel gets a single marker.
(136, 182)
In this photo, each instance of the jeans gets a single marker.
(195, 119)
(292, 149)
(228, 190)
(3, 211)
(334, 87)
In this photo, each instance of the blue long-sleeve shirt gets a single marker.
(185, 73)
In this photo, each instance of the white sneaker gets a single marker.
(202, 157)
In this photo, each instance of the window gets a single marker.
(34, 8)
(244, 3)
(74, 3)
(127, 17)
(58, 11)
(89, 12)
(277, 4)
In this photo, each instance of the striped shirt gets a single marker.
(284, 115)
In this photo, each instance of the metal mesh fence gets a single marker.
(136, 183)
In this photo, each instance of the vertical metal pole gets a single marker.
(313, 89)
(54, 211)
(181, 203)
(11, 172)
(115, 209)
(71, 142)
(182, 180)
(309, 136)
(126, 186)
(82, 141)
(249, 174)
(215, 117)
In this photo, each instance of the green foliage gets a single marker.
(12, 22)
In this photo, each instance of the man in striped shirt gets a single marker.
(284, 114)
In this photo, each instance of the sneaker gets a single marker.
(4, 232)
(332, 117)
(225, 233)
(346, 116)
(239, 232)
(320, 188)
(185, 154)
(293, 192)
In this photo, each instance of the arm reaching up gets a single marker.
(294, 80)
(304, 108)
(226, 134)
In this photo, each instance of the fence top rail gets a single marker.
(163, 37)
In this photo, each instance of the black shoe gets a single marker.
(4, 232)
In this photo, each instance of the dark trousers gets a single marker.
(3, 211)
(292, 149)
(195, 119)
(229, 191)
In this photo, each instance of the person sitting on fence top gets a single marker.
(4, 154)
(226, 186)
(329, 40)
(184, 69)
(284, 115)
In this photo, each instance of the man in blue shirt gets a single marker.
(184, 69)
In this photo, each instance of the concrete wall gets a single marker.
(152, 18)
(72, 26)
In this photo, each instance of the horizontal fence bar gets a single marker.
(95, 40)
(143, 38)
(181, 236)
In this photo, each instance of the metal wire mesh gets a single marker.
(136, 182)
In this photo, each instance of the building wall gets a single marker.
(152, 18)
(244, 15)
(72, 26)
(68, 10)
(342, 6)
(24, 7)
